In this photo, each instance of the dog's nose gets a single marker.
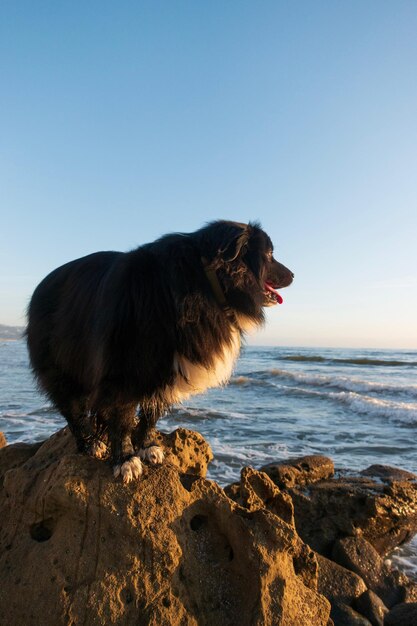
(290, 277)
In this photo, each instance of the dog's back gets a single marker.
(60, 318)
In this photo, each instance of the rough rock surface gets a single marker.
(358, 555)
(338, 583)
(300, 471)
(353, 520)
(78, 547)
(371, 606)
(257, 491)
(380, 503)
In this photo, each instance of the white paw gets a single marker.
(129, 470)
(153, 454)
(98, 449)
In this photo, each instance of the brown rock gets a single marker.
(344, 615)
(388, 473)
(384, 510)
(233, 491)
(337, 583)
(77, 546)
(299, 471)
(409, 592)
(15, 454)
(360, 557)
(3, 441)
(371, 606)
(257, 491)
(402, 615)
(186, 450)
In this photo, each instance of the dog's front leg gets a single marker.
(147, 450)
(121, 424)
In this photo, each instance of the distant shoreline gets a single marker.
(11, 333)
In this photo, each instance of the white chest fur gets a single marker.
(192, 378)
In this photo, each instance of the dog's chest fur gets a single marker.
(191, 378)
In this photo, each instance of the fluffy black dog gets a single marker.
(113, 330)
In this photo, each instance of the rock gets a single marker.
(16, 454)
(186, 450)
(382, 508)
(256, 490)
(3, 441)
(337, 583)
(344, 615)
(388, 473)
(359, 556)
(371, 606)
(79, 547)
(354, 520)
(299, 471)
(402, 615)
(409, 592)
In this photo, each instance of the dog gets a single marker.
(113, 331)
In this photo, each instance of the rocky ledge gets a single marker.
(291, 544)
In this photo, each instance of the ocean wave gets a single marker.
(248, 381)
(345, 383)
(399, 412)
(405, 558)
(348, 361)
(402, 412)
(229, 458)
(187, 413)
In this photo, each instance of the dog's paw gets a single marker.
(153, 454)
(129, 470)
(98, 449)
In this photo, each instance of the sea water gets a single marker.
(357, 406)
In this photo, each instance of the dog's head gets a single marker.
(242, 256)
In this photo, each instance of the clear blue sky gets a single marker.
(121, 121)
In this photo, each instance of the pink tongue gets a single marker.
(275, 292)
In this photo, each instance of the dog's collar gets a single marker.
(217, 290)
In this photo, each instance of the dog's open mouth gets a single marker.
(272, 297)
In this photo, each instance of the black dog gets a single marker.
(113, 330)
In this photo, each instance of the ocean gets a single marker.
(357, 406)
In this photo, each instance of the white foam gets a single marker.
(346, 383)
(405, 412)
(229, 458)
(193, 413)
(400, 412)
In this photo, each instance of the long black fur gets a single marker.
(104, 331)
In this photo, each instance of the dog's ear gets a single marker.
(235, 241)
